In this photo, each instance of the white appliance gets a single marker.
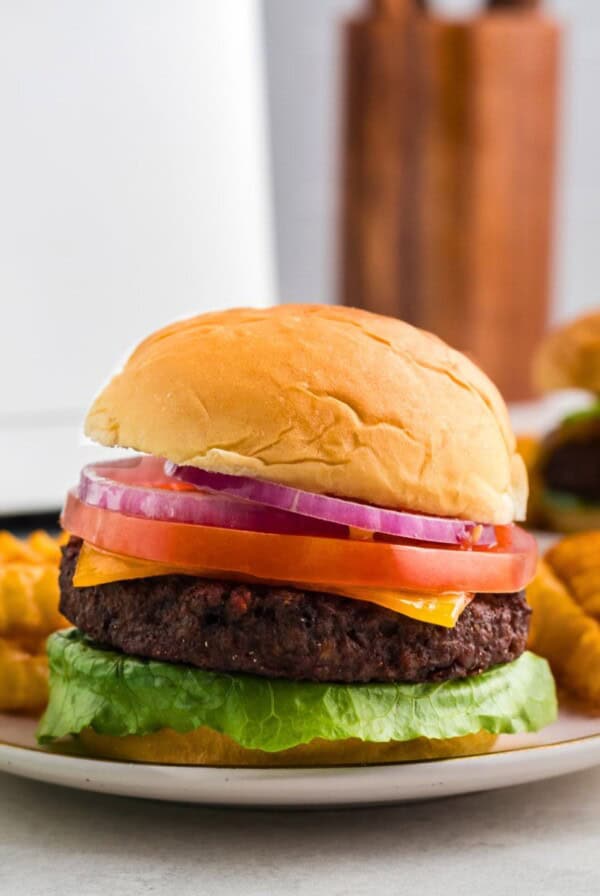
(134, 190)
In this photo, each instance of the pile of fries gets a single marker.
(565, 598)
(29, 598)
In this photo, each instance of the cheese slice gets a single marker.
(98, 567)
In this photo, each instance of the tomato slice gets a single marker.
(99, 567)
(299, 558)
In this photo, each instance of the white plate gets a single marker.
(570, 744)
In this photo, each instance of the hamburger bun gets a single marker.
(206, 747)
(328, 399)
(569, 357)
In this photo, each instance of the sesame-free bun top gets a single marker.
(569, 357)
(329, 399)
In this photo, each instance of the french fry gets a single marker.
(565, 628)
(39, 547)
(23, 679)
(29, 591)
(29, 597)
(576, 561)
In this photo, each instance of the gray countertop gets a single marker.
(537, 839)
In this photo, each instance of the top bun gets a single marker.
(324, 398)
(569, 358)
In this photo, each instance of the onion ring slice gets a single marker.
(138, 487)
(398, 523)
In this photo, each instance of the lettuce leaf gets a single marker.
(118, 695)
(567, 501)
(589, 413)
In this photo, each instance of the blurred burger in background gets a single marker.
(565, 466)
(312, 561)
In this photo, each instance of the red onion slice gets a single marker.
(138, 487)
(400, 524)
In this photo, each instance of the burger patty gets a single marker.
(283, 632)
(574, 467)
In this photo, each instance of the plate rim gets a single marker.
(309, 788)
(444, 761)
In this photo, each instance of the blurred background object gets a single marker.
(135, 190)
(304, 66)
(448, 175)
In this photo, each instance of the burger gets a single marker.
(310, 560)
(567, 462)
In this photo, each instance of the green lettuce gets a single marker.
(567, 501)
(589, 413)
(118, 695)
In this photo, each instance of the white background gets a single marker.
(134, 188)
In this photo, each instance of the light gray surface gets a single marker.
(538, 839)
(302, 43)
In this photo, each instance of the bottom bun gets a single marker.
(207, 747)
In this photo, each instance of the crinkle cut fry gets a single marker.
(39, 547)
(23, 678)
(565, 627)
(29, 597)
(576, 562)
(29, 593)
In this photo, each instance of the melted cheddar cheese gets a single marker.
(98, 567)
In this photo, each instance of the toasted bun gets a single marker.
(207, 747)
(569, 358)
(329, 399)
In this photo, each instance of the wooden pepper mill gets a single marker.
(448, 175)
